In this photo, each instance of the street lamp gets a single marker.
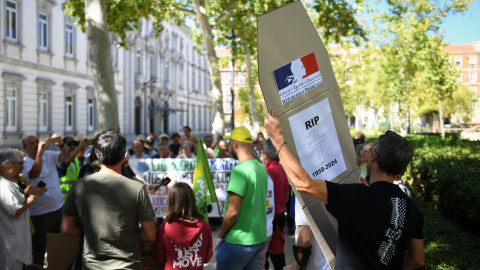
(232, 81)
(188, 105)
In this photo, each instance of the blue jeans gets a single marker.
(233, 257)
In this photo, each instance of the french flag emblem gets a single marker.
(297, 77)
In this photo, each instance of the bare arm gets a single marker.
(33, 193)
(231, 214)
(299, 177)
(70, 226)
(63, 150)
(71, 157)
(37, 164)
(415, 256)
(148, 231)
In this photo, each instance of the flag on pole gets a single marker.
(203, 186)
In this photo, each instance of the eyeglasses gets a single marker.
(186, 147)
(365, 151)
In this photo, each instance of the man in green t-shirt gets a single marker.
(244, 226)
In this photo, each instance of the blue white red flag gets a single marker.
(297, 77)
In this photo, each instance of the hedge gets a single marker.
(446, 172)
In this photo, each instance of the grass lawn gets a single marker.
(447, 246)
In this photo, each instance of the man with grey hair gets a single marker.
(186, 150)
(281, 188)
(40, 167)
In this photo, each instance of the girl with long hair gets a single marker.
(184, 240)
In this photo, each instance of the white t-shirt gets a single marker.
(270, 206)
(52, 199)
(15, 239)
(317, 260)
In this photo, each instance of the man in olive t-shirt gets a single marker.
(107, 207)
(245, 223)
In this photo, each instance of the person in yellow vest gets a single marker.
(69, 169)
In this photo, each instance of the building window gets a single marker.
(458, 64)
(192, 113)
(473, 77)
(228, 106)
(474, 104)
(43, 111)
(11, 21)
(91, 115)
(11, 118)
(43, 31)
(174, 41)
(69, 39)
(138, 62)
(69, 113)
(473, 66)
(199, 87)
(199, 118)
(193, 79)
(167, 73)
(205, 84)
(152, 66)
(167, 40)
(204, 118)
(181, 115)
(180, 79)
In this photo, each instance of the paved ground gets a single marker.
(289, 241)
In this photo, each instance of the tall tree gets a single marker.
(406, 30)
(209, 16)
(92, 18)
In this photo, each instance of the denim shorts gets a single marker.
(238, 257)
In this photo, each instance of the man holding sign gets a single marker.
(245, 223)
(379, 226)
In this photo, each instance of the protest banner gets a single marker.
(297, 81)
(153, 171)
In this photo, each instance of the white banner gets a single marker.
(153, 171)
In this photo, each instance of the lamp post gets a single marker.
(188, 105)
(232, 80)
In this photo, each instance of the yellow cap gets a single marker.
(241, 134)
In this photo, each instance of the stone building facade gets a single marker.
(162, 84)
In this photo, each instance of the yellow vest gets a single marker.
(67, 181)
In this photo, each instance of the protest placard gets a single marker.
(297, 81)
(153, 171)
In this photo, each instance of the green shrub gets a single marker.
(447, 173)
(446, 245)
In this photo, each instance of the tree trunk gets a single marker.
(216, 91)
(251, 88)
(100, 64)
(440, 116)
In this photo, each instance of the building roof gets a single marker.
(473, 48)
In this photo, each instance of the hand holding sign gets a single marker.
(273, 128)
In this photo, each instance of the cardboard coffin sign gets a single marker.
(297, 81)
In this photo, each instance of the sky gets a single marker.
(462, 28)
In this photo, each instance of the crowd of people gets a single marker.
(87, 189)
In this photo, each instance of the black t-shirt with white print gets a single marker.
(375, 224)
